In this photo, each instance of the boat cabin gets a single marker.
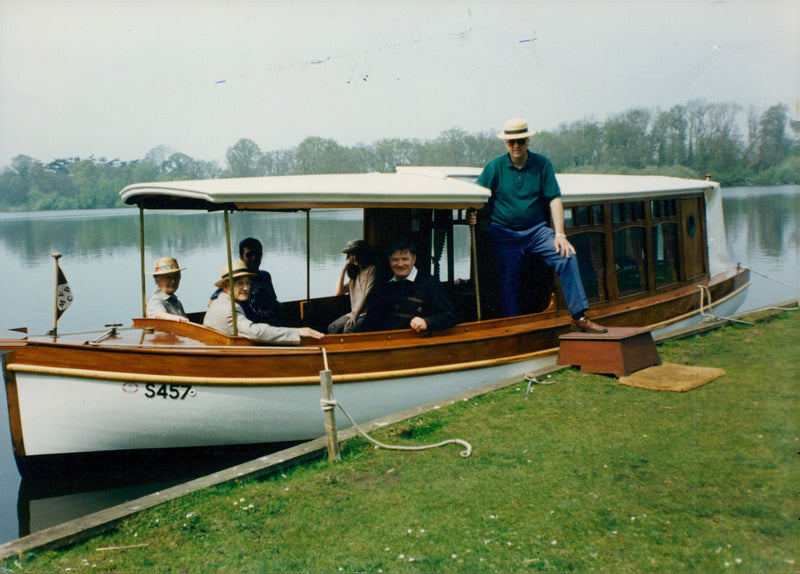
(635, 236)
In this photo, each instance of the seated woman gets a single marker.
(357, 278)
(163, 304)
(219, 314)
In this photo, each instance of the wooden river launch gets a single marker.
(651, 250)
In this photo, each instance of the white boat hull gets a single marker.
(64, 414)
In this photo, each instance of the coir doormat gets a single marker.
(671, 377)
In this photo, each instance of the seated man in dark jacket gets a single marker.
(410, 299)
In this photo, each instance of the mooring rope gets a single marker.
(531, 378)
(797, 289)
(775, 280)
(707, 315)
(328, 405)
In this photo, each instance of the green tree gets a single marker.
(319, 155)
(391, 152)
(244, 159)
(773, 143)
(627, 141)
(182, 166)
(669, 135)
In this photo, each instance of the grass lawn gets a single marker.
(583, 475)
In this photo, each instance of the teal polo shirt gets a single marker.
(520, 197)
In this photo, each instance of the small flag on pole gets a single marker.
(63, 293)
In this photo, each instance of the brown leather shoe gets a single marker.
(587, 326)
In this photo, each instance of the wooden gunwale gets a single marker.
(467, 346)
(14, 420)
(266, 381)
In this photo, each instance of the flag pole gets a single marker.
(56, 256)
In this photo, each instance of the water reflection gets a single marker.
(102, 263)
(762, 233)
(767, 221)
(69, 487)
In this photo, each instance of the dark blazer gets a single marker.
(397, 302)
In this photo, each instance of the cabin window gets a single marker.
(628, 211)
(663, 208)
(584, 216)
(665, 253)
(630, 261)
(568, 220)
(590, 247)
(598, 214)
(691, 225)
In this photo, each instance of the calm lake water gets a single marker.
(101, 261)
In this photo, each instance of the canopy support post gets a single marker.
(475, 270)
(230, 274)
(141, 256)
(308, 262)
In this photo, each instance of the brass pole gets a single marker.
(142, 262)
(230, 273)
(475, 270)
(56, 256)
(308, 262)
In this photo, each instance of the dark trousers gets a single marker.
(510, 247)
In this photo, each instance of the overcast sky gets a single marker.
(116, 79)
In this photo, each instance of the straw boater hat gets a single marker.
(239, 270)
(515, 128)
(165, 266)
(356, 245)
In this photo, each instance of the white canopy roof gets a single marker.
(440, 187)
(583, 187)
(402, 189)
(431, 187)
(586, 188)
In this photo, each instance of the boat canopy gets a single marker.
(296, 192)
(590, 187)
(448, 187)
(418, 186)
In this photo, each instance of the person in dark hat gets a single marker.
(163, 303)
(524, 188)
(356, 279)
(219, 316)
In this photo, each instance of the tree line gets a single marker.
(733, 145)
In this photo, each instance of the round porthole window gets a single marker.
(691, 225)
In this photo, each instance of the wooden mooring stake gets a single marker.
(329, 408)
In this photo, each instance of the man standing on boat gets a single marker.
(410, 299)
(219, 315)
(524, 187)
(262, 305)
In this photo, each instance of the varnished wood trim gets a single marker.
(697, 311)
(13, 410)
(359, 377)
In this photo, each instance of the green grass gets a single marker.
(584, 475)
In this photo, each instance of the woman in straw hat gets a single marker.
(163, 304)
(219, 315)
